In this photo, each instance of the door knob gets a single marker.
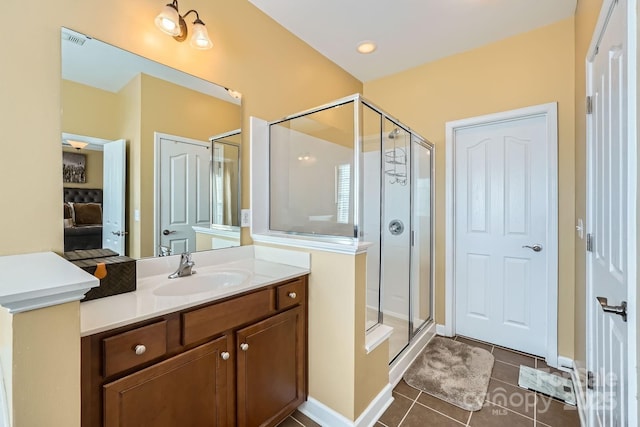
(225, 355)
(536, 248)
(244, 346)
(120, 233)
(167, 232)
(620, 310)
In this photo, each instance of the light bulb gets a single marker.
(168, 20)
(200, 37)
(366, 47)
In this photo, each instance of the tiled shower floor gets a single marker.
(506, 403)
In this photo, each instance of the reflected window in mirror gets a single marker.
(225, 193)
(108, 95)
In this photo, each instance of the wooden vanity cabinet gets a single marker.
(270, 371)
(240, 361)
(185, 390)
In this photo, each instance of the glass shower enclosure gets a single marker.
(349, 172)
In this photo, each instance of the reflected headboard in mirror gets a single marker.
(116, 103)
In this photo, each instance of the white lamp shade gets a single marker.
(200, 37)
(77, 144)
(168, 20)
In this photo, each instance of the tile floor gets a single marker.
(506, 403)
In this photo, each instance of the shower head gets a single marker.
(394, 133)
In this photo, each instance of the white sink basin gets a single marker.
(200, 283)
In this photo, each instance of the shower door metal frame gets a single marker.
(419, 140)
(429, 146)
(358, 198)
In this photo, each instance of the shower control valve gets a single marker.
(396, 227)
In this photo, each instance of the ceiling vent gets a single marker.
(73, 38)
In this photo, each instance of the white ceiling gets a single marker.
(408, 32)
(94, 63)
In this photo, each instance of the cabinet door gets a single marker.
(271, 369)
(186, 390)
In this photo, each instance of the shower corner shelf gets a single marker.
(397, 158)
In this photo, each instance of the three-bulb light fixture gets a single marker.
(170, 22)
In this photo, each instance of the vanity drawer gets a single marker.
(132, 348)
(290, 294)
(214, 319)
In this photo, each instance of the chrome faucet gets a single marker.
(185, 267)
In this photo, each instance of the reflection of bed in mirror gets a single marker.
(83, 218)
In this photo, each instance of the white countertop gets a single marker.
(264, 266)
(42, 279)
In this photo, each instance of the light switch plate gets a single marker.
(245, 217)
(580, 228)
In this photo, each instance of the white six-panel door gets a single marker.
(611, 203)
(501, 204)
(113, 196)
(185, 201)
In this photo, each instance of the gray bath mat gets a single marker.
(556, 386)
(452, 371)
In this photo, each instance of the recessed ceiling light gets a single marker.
(367, 46)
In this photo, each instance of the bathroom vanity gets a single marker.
(236, 358)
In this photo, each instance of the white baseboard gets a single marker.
(581, 398)
(443, 331)
(323, 415)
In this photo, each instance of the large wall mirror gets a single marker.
(151, 155)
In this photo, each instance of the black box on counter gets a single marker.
(117, 273)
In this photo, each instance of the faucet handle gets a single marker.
(185, 258)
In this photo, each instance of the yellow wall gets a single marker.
(144, 106)
(89, 111)
(129, 122)
(586, 17)
(528, 69)
(46, 365)
(341, 374)
(276, 72)
(331, 331)
(189, 114)
(371, 370)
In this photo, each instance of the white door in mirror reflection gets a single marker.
(113, 217)
(184, 192)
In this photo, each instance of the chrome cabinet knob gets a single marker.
(139, 349)
(225, 355)
(292, 295)
(244, 346)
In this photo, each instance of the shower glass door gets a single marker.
(396, 235)
(372, 176)
(421, 256)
